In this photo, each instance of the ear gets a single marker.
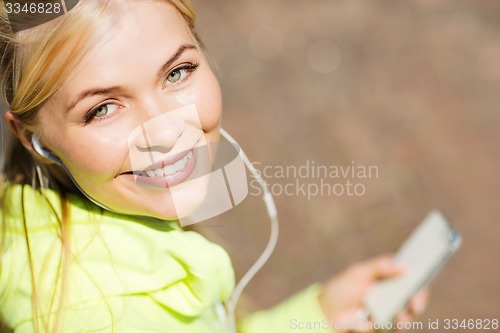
(19, 129)
(25, 136)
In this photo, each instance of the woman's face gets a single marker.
(126, 121)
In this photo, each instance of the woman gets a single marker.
(112, 106)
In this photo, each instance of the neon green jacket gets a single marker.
(118, 274)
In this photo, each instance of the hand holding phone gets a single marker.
(423, 253)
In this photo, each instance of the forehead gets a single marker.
(143, 34)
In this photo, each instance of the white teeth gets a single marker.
(170, 169)
(179, 165)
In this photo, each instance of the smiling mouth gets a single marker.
(166, 169)
(163, 175)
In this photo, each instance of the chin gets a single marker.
(182, 202)
(188, 198)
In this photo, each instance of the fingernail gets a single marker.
(419, 306)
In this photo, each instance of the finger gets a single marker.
(379, 268)
(402, 318)
(418, 303)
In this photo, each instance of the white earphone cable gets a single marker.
(271, 211)
(273, 238)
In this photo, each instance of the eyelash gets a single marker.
(189, 67)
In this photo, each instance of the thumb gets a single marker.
(383, 267)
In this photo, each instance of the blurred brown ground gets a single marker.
(416, 93)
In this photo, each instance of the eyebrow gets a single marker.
(183, 48)
(117, 89)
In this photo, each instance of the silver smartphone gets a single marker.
(423, 253)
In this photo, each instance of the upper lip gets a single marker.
(169, 160)
(166, 161)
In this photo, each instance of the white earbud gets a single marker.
(42, 152)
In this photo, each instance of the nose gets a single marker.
(160, 131)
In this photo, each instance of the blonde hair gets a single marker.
(34, 63)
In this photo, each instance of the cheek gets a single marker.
(90, 158)
(87, 154)
(210, 105)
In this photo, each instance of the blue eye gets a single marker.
(180, 73)
(101, 112)
(177, 75)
